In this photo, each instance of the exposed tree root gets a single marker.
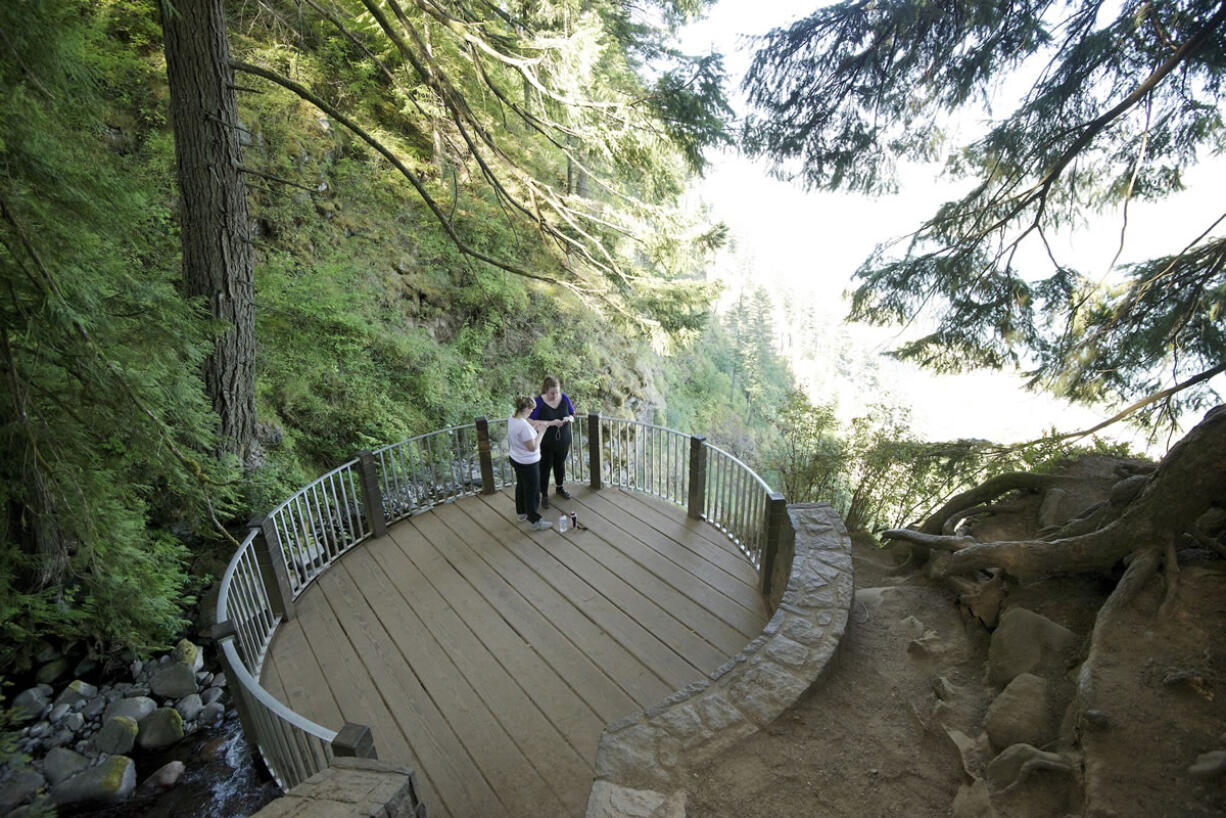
(1142, 567)
(1189, 481)
(984, 493)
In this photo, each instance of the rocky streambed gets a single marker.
(158, 741)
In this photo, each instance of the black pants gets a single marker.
(553, 457)
(527, 489)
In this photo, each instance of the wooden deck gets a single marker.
(489, 657)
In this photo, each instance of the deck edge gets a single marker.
(642, 759)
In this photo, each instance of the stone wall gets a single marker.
(352, 788)
(642, 759)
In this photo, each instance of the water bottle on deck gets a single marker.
(562, 521)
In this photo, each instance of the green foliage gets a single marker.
(371, 325)
(878, 475)
(1119, 104)
(104, 428)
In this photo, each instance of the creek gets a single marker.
(220, 780)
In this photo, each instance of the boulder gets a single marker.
(117, 736)
(173, 680)
(58, 712)
(62, 764)
(19, 787)
(74, 722)
(1021, 714)
(53, 671)
(31, 704)
(94, 707)
(135, 708)
(110, 782)
(189, 654)
(211, 713)
(40, 807)
(1027, 642)
(161, 728)
(1017, 763)
(189, 707)
(76, 691)
(211, 695)
(163, 778)
(1209, 766)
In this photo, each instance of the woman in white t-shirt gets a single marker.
(524, 442)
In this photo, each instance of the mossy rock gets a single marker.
(110, 782)
(161, 728)
(189, 654)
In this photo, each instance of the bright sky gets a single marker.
(804, 247)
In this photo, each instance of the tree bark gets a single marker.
(217, 257)
(986, 492)
(1188, 481)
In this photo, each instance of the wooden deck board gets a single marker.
(556, 561)
(646, 620)
(488, 656)
(600, 672)
(511, 776)
(556, 763)
(696, 536)
(679, 560)
(688, 594)
(526, 668)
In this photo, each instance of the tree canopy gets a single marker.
(576, 120)
(550, 140)
(1120, 102)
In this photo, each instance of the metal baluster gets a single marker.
(306, 544)
(322, 527)
(283, 525)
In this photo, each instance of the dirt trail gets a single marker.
(871, 737)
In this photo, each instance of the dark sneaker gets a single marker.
(563, 493)
(542, 524)
(544, 501)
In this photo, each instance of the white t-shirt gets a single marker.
(519, 434)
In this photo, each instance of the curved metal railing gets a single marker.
(292, 746)
(314, 527)
(736, 502)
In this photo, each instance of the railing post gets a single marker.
(372, 497)
(483, 454)
(698, 476)
(354, 741)
(593, 446)
(776, 509)
(271, 560)
(220, 632)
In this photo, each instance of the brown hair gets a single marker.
(523, 402)
(550, 383)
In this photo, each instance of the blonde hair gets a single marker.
(523, 402)
(549, 383)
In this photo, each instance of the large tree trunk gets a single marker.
(1189, 481)
(217, 259)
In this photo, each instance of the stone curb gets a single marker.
(642, 759)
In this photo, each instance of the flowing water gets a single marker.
(221, 779)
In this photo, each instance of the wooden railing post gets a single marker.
(776, 509)
(483, 454)
(271, 559)
(354, 741)
(593, 446)
(372, 497)
(698, 477)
